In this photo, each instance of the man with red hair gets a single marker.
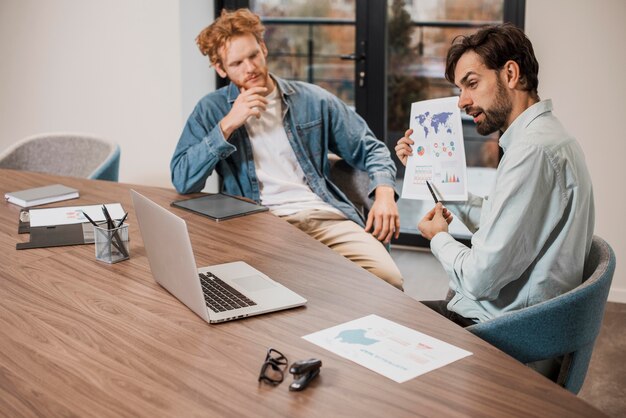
(269, 140)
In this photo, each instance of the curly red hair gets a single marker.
(230, 24)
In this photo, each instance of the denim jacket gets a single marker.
(316, 123)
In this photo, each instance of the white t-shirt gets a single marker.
(283, 183)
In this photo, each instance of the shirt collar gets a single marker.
(523, 120)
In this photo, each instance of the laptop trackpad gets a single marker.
(253, 283)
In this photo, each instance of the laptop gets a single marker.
(216, 293)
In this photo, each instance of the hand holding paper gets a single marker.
(404, 147)
(433, 150)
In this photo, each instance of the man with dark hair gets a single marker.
(269, 139)
(533, 233)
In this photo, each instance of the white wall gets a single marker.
(126, 70)
(581, 51)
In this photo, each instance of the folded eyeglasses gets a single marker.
(275, 364)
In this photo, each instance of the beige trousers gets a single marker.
(349, 240)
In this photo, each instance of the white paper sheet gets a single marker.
(438, 152)
(480, 181)
(73, 214)
(390, 349)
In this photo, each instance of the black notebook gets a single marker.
(219, 206)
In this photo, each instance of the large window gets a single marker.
(379, 57)
(420, 33)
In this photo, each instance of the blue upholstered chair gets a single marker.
(66, 154)
(563, 328)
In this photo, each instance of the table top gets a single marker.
(81, 337)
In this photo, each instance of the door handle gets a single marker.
(352, 57)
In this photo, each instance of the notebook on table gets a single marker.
(41, 195)
(216, 293)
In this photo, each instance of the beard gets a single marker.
(261, 79)
(497, 115)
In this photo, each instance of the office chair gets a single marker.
(354, 183)
(66, 154)
(563, 328)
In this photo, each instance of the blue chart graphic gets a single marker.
(355, 336)
(437, 122)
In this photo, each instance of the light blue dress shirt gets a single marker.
(533, 232)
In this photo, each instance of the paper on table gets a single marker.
(390, 349)
(438, 151)
(73, 214)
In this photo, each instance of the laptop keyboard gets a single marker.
(220, 296)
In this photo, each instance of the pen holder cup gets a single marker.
(111, 244)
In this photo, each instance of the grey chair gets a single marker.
(354, 183)
(564, 328)
(66, 154)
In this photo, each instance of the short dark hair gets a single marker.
(496, 45)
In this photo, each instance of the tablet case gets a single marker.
(219, 206)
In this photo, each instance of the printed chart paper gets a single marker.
(73, 214)
(390, 349)
(438, 152)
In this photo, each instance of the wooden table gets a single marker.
(80, 337)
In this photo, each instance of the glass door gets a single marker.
(312, 41)
(336, 44)
(419, 35)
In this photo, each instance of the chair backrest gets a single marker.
(563, 327)
(354, 183)
(67, 154)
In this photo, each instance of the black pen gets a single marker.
(107, 217)
(121, 222)
(116, 244)
(432, 192)
(116, 237)
(89, 219)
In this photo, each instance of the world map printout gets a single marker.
(438, 152)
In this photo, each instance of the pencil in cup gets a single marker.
(104, 251)
(111, 244)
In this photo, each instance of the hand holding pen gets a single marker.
(446, 213)
(436, 220)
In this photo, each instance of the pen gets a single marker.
(121, 222)
(107, 217)
(432, 192)
(89, 219)
(116, 237)
(116, 244)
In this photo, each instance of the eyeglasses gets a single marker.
(273, 368)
